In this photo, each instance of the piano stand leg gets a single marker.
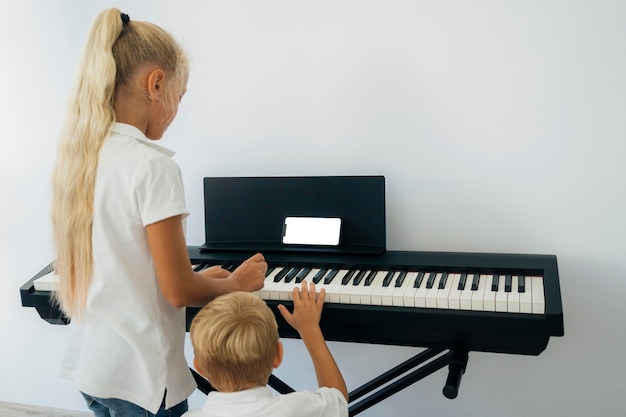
(394, 373)
(205, 386)
(279, 385)
(455, 360)
(456, 369)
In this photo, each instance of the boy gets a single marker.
(236, 345)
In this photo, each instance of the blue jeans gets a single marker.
(112, 407)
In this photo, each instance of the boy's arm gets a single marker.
(305, 319)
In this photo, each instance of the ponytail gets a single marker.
(114, 49)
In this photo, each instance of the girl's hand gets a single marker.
(215, 272)
(250, 275)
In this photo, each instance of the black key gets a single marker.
(292, 274)
(521, 283)
(346, 279)
(359, 277)
(419, 279)
(388, 277)
(329, 278)
(319, 275)
(494, 282)
(431, 280)
(508, 283)
(281, 274)
(442, 281)
(269, 271)
(228, 267)
(200, 267)
(462, 282)
(400, 278)
(303, 273)
(475, 282)
(370, 278)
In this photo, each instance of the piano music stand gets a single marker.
(417, 367)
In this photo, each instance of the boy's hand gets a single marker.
(307, 310)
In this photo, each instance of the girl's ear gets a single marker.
(279, 355)
(155, 84)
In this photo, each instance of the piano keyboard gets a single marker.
(48, 282)
(442, 290)
(506, 293)
(504, 303)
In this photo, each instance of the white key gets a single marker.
(41, 283)
(539, 303)
(420, 294)
(478, 297)
(366, 296)
(466, 294)
(48, 282)
(346, 290)
(333, 289)
(444, 293)
(454, 298)
(501, 296)
(270, 290)
(513, 301)
(294, 281)
(431, 293)
(356, 291)
(387, 292)
(377, 292)
(283, 288)
(489, 300)
(526, 297)
(408, 297)
(320, 284)
(397, 298)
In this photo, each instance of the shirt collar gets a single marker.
(133, 132)
(238, 397)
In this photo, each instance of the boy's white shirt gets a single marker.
(259, 402)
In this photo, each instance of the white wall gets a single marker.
(499, 126)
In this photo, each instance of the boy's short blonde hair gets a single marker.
(235, 340)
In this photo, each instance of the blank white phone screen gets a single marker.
(312, 230)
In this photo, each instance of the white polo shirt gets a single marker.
(130, 342)
(259, 402)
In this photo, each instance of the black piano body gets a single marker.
(514, 333)
(483, 331)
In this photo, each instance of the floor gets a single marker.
(22, 410)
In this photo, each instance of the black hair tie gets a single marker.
(125, 18)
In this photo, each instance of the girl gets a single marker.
(117, 213)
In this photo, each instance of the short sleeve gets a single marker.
(159, 191)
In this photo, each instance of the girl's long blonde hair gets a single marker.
(114, 50)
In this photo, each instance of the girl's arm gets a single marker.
(180, 285)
